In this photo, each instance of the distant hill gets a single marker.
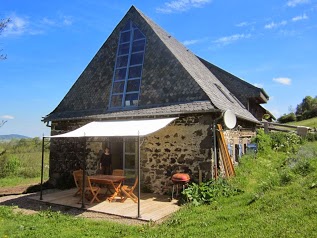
(12, 136)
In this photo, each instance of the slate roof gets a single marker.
(174, 80)
(240, 88)
(176, 109)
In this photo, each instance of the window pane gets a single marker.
(122, 61)
(133, 85)
(135, 72)
(129, 161)
(125, 37)
(137, 34)
(136, 58)
(138, 45)
(120, 74)
(124, 49)
(130, 146)
(131, 99)
(127, 26)
(118, 87)
(116, 101)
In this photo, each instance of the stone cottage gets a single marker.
(142, 72)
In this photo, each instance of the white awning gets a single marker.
(118, 128)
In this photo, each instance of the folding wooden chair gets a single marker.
(127, 192)
(77, 173)
(118, 172)
(89, 189)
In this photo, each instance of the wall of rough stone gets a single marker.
(186, 144)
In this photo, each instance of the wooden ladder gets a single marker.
(227, 162)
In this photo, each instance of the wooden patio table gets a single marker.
(113, 182)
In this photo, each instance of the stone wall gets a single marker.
(185, 145)
(180, 146)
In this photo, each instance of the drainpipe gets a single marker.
(215, 172)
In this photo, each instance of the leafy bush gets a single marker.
(303, 167)
(277, 141)
(287, 118)
(263, 141)
(9, 166)
(311, 137)
(206, 193)
(285, 142)
(22, 158)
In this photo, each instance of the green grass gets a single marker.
(312, 122)
(16, 181)
(279, 200)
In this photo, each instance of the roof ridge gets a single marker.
(208, 82)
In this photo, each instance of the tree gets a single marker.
(2, 123)
(307, 108)
(3, 25)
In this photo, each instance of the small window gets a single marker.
(138, 46)
(120, 74)
(133, 85)
(135, 72)
(131, 99)
(138, 35)
(116, 100)
(118, 87)
(124, 49)
(122, 61)
(125, 37)
(136, 58)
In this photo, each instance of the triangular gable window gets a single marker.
(128, 68)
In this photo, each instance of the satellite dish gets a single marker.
(229, 119)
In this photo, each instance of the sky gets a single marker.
(271, 44)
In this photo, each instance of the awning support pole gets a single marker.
(139, 174)
(42, 169)
(84, 176)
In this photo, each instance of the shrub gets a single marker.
(287, 118)
(285, 142)
(9, 166)
(303, 167)
(206, 193)
(285, 177)
(263, 141)
(311, 137)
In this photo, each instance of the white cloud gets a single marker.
(294, 3)
(67, 20)
(275, 25)
(7, 117)
(283, 80)
(244, 23)
(300, 18)
(47, 21)
(230, 39)
(22, 25)
(190, 42)
(16, 26)
(181, 5)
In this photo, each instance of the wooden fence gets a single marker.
(273, 126)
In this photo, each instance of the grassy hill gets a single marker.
(312, 122)
(278, 199)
